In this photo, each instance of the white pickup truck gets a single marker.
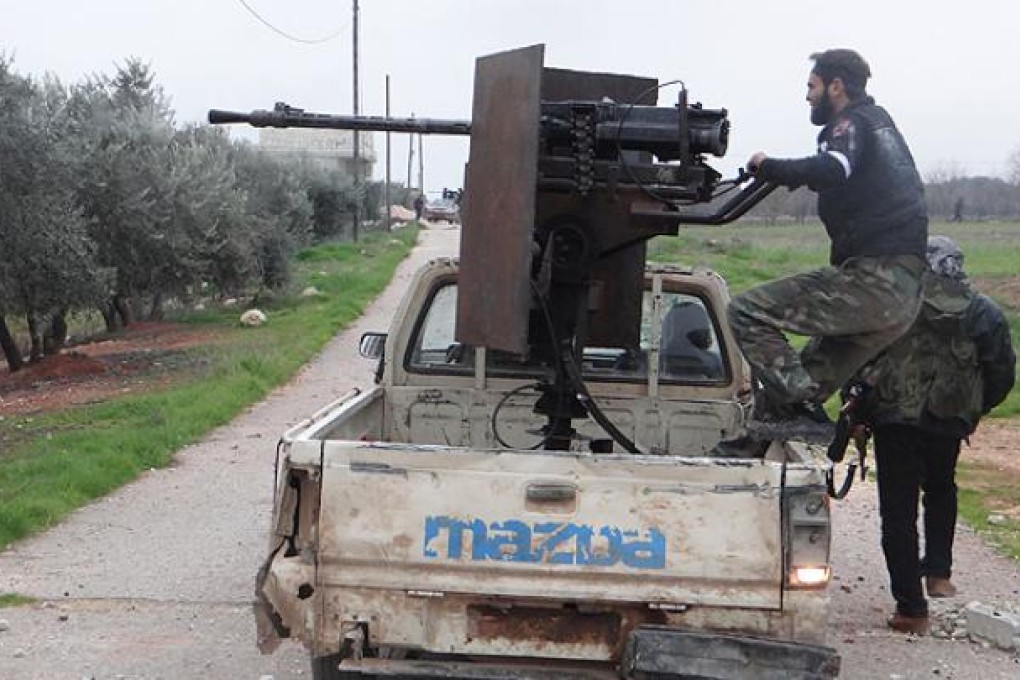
(420, 528)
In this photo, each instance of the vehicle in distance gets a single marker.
(442, 207)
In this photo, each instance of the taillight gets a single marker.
(806, 538)
(808, 577)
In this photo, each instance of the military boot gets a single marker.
(914, 625)
(939, 587)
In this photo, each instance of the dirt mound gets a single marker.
(143, 356)
(1005, 290)
(58, 368)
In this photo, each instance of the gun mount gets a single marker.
(569, 174)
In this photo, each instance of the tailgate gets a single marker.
(552, 525)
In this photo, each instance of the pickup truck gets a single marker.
(420, 529)
(441, 209)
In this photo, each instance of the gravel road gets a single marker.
(156, 580)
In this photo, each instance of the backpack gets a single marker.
(932, 369)
(955, 388)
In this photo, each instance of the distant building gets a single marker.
(329, 149)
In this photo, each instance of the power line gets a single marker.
(288, 36)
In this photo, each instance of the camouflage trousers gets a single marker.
(851, 313)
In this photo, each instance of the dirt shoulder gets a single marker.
(141, 357)
(996, 444)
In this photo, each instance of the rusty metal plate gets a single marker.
(615, 312)
(499, 210)
(563, 85)
(658, 651)
(539, 624)
(615, 319)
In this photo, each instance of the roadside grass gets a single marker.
(14, 600)
(62, 460)
(984, 491)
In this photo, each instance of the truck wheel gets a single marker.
(326, 668)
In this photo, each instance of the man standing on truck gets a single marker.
(871, 200)
(930, 389)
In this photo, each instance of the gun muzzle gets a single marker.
(218, 117)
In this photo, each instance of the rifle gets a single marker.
(850, 426)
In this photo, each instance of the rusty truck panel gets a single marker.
(541, 525)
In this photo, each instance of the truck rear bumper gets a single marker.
(654, 652)
(422, 670)
(651, 652)
(288, 606)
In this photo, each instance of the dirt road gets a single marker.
(861, 603)
(156, 580)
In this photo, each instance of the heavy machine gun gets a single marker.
(569, 174)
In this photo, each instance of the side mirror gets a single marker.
(373, 345)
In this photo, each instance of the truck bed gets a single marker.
(477, 546)
(460, 417)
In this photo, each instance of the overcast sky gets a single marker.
(946, 70)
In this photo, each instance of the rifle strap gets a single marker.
(848, 482)
(851, 469)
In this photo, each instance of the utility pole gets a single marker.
(356, 136)
(421, 164)
(386, 193)
(410, 156)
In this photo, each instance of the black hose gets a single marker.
(499, 406)
(565, 362)
(596, 412)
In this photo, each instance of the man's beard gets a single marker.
(821, 113)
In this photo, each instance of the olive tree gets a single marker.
(210, 216)
(126, 184)
(279, 210)
(48, 265)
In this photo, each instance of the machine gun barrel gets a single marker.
(284, 116)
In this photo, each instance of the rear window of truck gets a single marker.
(690, 351)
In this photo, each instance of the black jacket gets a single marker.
(870, 196)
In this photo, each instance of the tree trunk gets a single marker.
(120, 303)
(10, 348)
(109, 312)
(35, 333)
(137, 306)
(156, 311)
(56, 336)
